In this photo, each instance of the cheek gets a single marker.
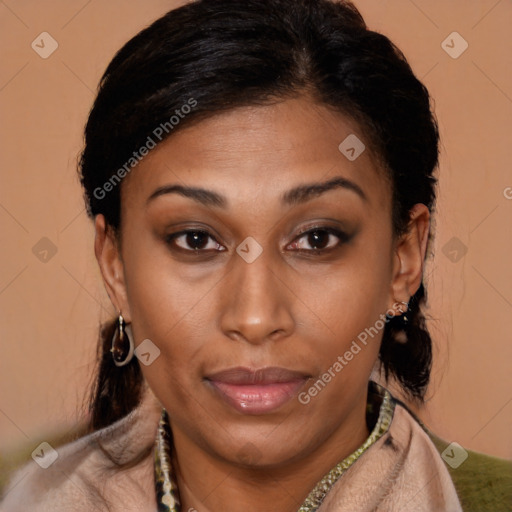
(353, 293)
(350, 333)
(350, 306)
(174, 309)
(162, 293)
(171, 314)
(171, 311)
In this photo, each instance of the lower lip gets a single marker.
(257, 398)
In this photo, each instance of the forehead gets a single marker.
(259, 152)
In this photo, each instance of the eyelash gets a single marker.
(341, 235)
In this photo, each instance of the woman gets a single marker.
(260, 175)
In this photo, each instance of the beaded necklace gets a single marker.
(167, 493)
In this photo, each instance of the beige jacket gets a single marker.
(401, 472)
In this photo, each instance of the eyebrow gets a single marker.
(292, 197)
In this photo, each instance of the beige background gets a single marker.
(50, 310)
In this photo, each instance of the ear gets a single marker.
(108, 255)
(410, 253)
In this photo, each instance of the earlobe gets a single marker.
(108, 256)
(410, 254)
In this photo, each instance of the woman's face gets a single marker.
(246, 287)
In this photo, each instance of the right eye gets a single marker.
(193, 241)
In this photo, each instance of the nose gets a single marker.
(256, 304)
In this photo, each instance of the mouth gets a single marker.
(257, 391)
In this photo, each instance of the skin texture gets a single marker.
(211, 311)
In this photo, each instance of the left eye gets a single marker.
(320, 239)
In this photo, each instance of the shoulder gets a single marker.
(483, 482)
(84, 474)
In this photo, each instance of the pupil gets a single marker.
(314, 236)
(196, 240)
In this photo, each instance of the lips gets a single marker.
(257, 391)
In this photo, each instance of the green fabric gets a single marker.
(483, 482)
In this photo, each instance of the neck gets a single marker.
(211, 484)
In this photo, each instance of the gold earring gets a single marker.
(405, 320)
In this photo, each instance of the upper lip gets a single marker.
(269, 375)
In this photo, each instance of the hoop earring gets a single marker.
(122, 343)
